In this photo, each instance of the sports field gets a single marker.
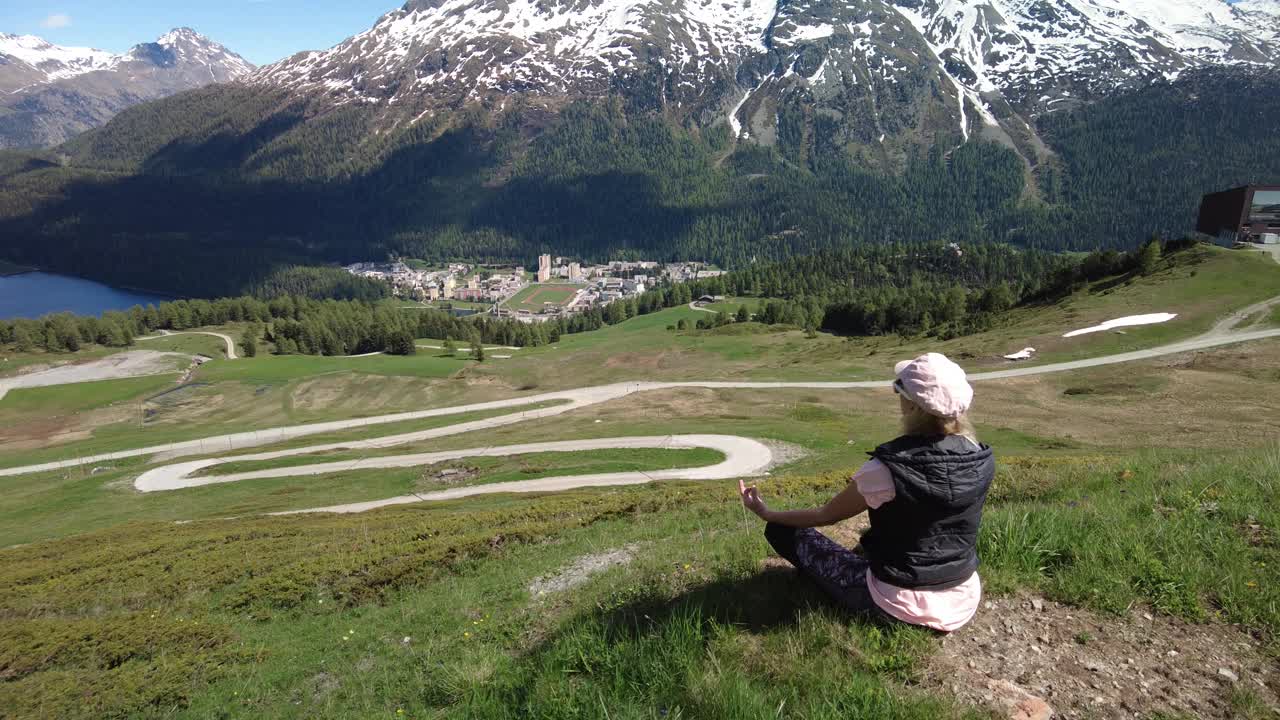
(535, 297)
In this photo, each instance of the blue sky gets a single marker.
(263, 31)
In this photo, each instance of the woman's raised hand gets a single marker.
(751, 499)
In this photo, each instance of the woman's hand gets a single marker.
(751, 500)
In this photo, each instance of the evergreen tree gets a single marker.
(477, 350)
(402, 343)
(1149, 256)
(743, 314)
(249, 342)
(22, 341)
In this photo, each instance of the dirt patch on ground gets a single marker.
(1030, 658)
(134, 363)
(40, 432)
(447, 474)
(581, 570)
(1088, 665)
(784, 453)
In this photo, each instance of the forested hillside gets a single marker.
(207, 193)
(909, 289)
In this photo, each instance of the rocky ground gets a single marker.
(1033, 659)
(1026, 654)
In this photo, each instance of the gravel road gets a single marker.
(743, 458)
(742, 453)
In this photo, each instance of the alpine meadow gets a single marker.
(643, 359)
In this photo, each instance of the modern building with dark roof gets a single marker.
(1244, 214)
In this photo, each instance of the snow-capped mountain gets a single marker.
(479, 47)
(1037, 54)
(27, 60)
(881, 68)
(49, 93)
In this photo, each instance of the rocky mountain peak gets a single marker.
(49, 92)
(186, 46)
(1001, 62)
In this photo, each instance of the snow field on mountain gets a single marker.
(54, 60)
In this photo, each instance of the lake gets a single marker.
(33, 294)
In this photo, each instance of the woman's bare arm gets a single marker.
(848, 503)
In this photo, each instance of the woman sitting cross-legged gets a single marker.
(923, 493)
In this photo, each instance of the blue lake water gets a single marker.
(33, 294)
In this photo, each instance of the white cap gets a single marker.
(936, 384)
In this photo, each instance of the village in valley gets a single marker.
(560, 286)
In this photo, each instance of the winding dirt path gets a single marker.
(743, 456)
(572, 400)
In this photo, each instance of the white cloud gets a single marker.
(57, 20)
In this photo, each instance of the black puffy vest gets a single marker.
(927, 536)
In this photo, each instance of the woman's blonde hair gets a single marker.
(915, 421)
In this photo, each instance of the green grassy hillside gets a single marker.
(428, 611)
(1140, 498)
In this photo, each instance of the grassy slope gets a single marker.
(65, 502)
(228, 396)
(259, 392)
(731, 304)
(206, 345)
(1201, 286)
(306, 617)
(270, 368)
(22, 403)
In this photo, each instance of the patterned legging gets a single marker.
(839, 571)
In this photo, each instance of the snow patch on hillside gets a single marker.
(1130, 321)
